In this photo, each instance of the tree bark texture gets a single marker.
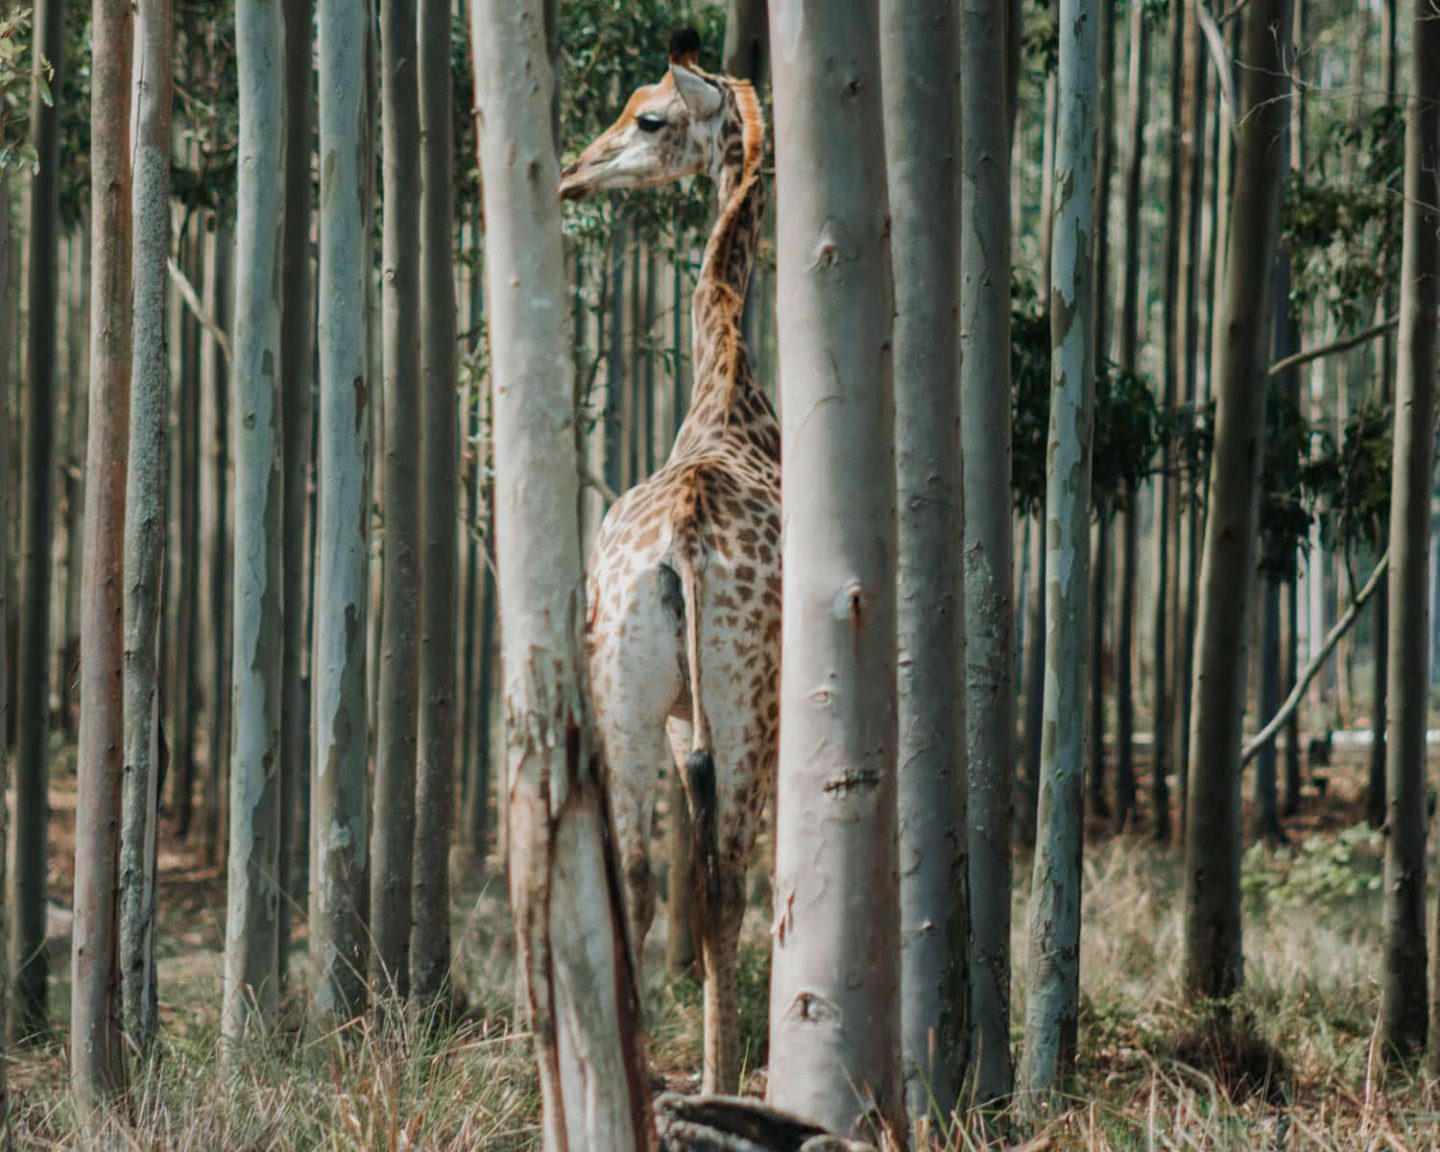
(987, 554)
(5, 907)
(146, 515)
(338, 853)
(564, 883)
(297, 323)
(1054, 983)
(1212, 938)
(834, 1006)
(252, 930)
(919, 60)
(1402, 981)
(32, 729)
(439, 498)
(97, 1062)
(393, 836)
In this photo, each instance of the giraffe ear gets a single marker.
(700, 96)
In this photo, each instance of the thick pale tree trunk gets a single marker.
(297, 323)
(97, 1060)
(439, 496)
(834, 984)
(252, 930)
(32, 729)
(393, 835)
(1054, 978)
(1402, 980)
(1212, 941)
(564, 883)
(918, 52)
(339, 864)
(989, 604)
(146, 516)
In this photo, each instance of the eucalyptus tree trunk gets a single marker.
(215, 534)
(32, 729)
(1267, 793)
(1136, 100)
(4, 656)
(146, 516)
(1099, 595)
(834, 1008)
(252, 929)
(747, 42)
(918, 53)
(989, 605)
(97, 1058)
(439, 498)
(190, 629)
(1212, 938)
(1034, 672)
(1402, 981)
(1167, 488)
(393, 836)
(338, 836)
(1054, 968)
(296, 349)
(564, 883)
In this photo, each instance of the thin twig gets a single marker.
(1344, 344)
(1332, 638)
(197, 308)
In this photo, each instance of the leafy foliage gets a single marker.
(1128, 430)
(1341, 215)
(18, 78)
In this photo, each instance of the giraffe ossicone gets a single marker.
(683, 586)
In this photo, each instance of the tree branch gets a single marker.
(1344, 344)
(1341, 626)
(591, 480)
(1220, 56)
(197, 307)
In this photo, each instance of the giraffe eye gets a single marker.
(649, 123)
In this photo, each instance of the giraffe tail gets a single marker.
(700, 764)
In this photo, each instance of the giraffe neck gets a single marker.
(727, 402)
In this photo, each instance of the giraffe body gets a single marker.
(683, 595)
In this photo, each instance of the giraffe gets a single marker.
(683, 594)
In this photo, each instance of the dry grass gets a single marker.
(1294, 1069)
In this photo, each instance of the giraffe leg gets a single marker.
(635, 674)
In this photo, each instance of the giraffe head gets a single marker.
(668, 130)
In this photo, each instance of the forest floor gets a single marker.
(1299, 1071)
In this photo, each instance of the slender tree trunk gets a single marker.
(97, 1062)
(565, 890)
(987, 559)
(1267, 797)
(430, 942)
(297, 374)
(1402, 982)
(1098, 593)
(1034, 678)
(4, 656)
(77, 304)
(215, 436)
(747, 42)
(834, 1008)
(32, 729)
(393, 835)
(1054, 984)
(918, 51)
(146, 516)
(341, 765)
(1136, 101)
(1212, 941)
(252, 930)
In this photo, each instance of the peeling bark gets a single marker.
(252, 930)
(1053, 1003)
(338, 854)
(565, 890)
